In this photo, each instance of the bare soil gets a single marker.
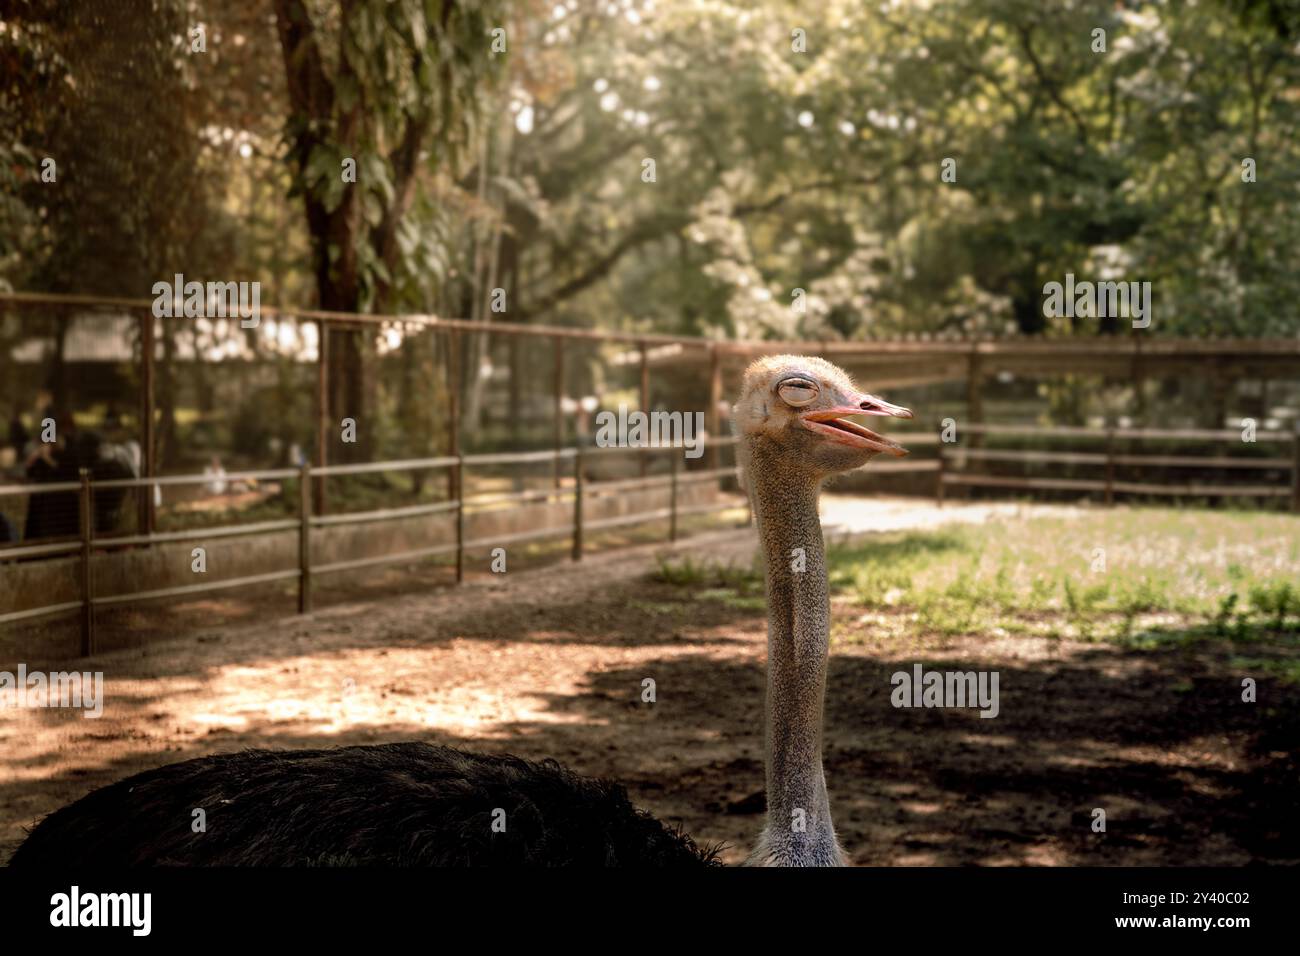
(551, 662)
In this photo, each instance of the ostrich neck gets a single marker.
(784, 496)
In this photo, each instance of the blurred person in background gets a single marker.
(215, 475)
(19, 436)
(54, 514)
(58, 513)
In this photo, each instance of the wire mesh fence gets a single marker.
(420, 443)
(427, 440)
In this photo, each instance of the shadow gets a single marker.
(1158, 737)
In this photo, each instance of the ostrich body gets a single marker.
(403, 804)
(416, 804)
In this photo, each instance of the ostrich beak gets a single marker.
(827, 421)
(871, 405)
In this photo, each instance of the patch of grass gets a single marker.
(688, 572)
(1286, 669)
(653, 607)
(755, 603)
(735, 586)
(1141, 576)
(1277, 600)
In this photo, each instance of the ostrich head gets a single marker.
(799, 403)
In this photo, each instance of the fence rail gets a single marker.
(912, 360)
(948, 458)
(1109, 459)
(1053, 431)
(87, 543)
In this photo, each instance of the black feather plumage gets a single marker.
(404, 804)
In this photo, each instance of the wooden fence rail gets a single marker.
(86, 543)
(306, 521)
(1110, 458)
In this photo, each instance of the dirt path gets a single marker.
(551, 663)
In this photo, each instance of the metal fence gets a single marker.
(954, 463)
(951, 465)
(501, 413)
(578, 492)
(183, 391)
(180, 392)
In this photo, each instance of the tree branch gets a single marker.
(1052, 90)
(648, 230)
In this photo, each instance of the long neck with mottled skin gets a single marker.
(784, 496)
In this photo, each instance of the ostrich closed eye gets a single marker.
(416, 804)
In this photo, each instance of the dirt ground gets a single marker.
(550, 662)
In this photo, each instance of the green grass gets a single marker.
(688, 572)
(1285, 669)
(737, 586)
(1142, 577)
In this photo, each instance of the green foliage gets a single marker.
(1170, 577)
(777, 170)
(1167, 573)
(392, 86)
(688, 572)
(1285, 669)
(821, 170)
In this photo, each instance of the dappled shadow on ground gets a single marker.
(1186, 772)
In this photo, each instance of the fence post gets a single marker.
(322, 409)
(943, 470)
(974, 395)
(577, 503)
(1295, 470)
(304, 538)
(645, 401)
(672, 493)
(715, 399)
(557, 438)
(87, 590)
(1110, 467)
(145, 501)
(460, 516)
(454, 385)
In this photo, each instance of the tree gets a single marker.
(820, 169)
(380, 96)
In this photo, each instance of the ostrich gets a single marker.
(414, 804)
